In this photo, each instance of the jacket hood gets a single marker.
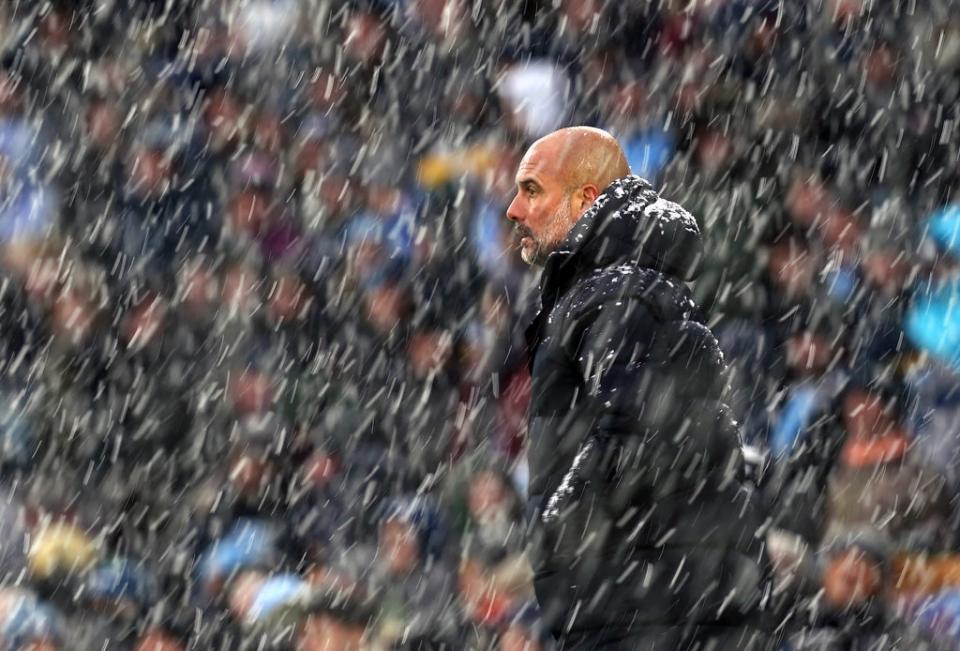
(630, 223)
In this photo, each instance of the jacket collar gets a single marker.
(628, 223)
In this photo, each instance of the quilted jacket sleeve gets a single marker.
(652, 395)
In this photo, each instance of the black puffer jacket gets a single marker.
(640, 513)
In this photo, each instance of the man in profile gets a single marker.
(644, 529)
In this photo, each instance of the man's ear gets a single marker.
(588, 194)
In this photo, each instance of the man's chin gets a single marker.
(527, 256)
(534, 256)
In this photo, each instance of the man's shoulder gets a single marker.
(613, 282)
(628, 283)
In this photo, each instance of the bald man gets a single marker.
(644, 531)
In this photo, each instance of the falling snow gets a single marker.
(274, 375)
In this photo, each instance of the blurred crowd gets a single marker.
(263, 382)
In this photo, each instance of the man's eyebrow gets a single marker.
(527, 182)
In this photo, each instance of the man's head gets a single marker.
(558, 179)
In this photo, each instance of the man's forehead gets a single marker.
(535, 162)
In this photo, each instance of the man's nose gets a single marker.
(513, 210)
